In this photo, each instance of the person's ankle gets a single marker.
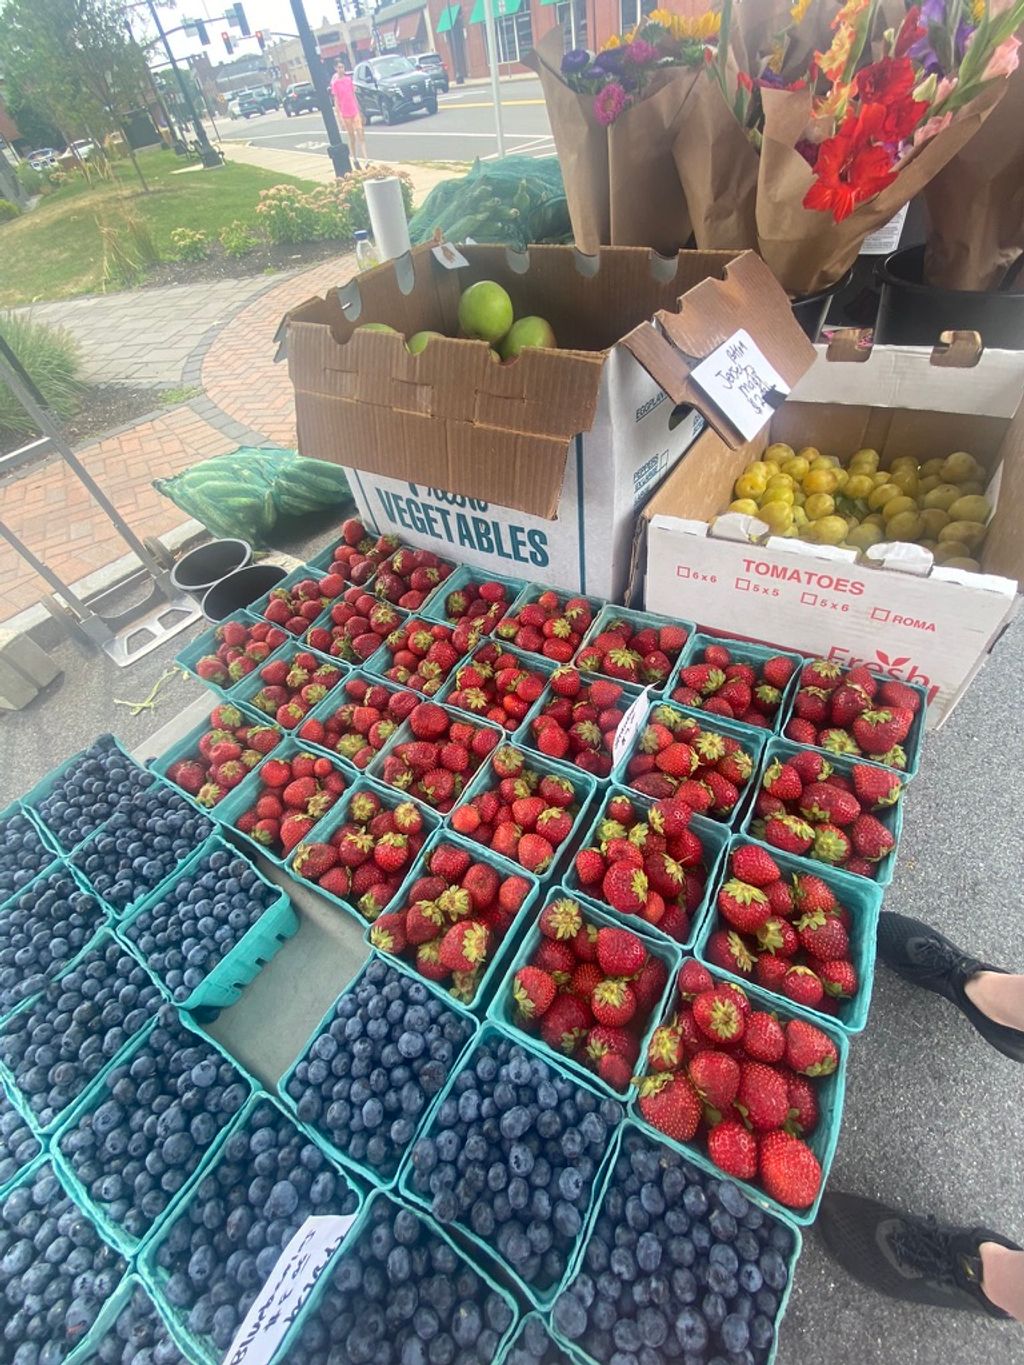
(1002, 1278)
(999, 996)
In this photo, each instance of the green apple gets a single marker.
(526, 332)
(485, 311)
(375, 327)
(418, 341)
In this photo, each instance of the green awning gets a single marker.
(449, 18)
(500, 7)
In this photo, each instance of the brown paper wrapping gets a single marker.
(976, 203)
(805, 248)
(717, 168)
(621, 182)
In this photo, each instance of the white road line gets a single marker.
(400, 132)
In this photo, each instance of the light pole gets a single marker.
(336, 149)
(209, 157)
(492, 49)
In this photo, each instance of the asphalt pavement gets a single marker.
(461, 130)
(933, 1118)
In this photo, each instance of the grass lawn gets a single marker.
(55, 252)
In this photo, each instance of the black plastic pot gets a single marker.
(811, 310)
(911, 313)
(197, 571)
(240, 589)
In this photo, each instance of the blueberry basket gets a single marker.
(751, 739)
(103, 1329)
(501, 1010)
(207, 643)
(890, 816)
(864, 901)
(463, 577)
(540, 1298)
(628, 1135)
(715, 839)
(611, 613)
(38, 846)
(536, 1325)
(244, 959)
(911, 745)
(486, 779)
(91, 1099)
(34, 799)
(487, 983)
(830, 1092)
(743, 652)
(20, 1146)
(360, 1169)
(390, 797)
(199, 1349)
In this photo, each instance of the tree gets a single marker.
(77, 59)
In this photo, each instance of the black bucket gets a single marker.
(197, 571)
(811, 310)
(240, 589)
(915, 314)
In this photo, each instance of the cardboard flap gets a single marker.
(750, 297)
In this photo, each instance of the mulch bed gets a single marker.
(103, 407)
(264, 260)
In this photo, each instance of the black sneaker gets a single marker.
(922, 956)
(906, 1257)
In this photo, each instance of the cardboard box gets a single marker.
(905, 616)
(535, 468)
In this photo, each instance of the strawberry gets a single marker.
(790, 1172)
(294, 828)
(464, 945)
(770, 972)
(839, 979)
(803, 1107)
(449, 862)
(313, 860)
(533, 991)
(565, 1022)
(619, 952)
(613, 1003)
(733, 1149)
(782, 780)
(716, 1078)
(822, 936)
(535, 853)
(811, 893)
(788, 833)
(745, 907)
(585, 978)
(878, 730)
(823, 802)
(755, 866)
(875, 788)
(728, 951)
(897, 694)
(764, 1039)
(762, 1097)
(809, 1051)
(670, 1104)
(718, 1015)
(665, 1051)
(831, 845)
(802, 986)
(560, 919)
(625, 888)
(649, 983)
(388, 933)
(693, 979)
(871, 839)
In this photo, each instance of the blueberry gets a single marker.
(691, 1331)
(569, 1316)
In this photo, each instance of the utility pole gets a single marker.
(336, 149)
(209, 157)
(492, 51)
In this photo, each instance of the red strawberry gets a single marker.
(875, 787)
(782, 780)
(694, 978)
(733, 1149)
(565, 1022)
(764, 1039)
(809, 1051)
(613, 1003)
(465, 945)
(762, 1097)
(877, 731)
(778, 936)
(614, 1071)
(839, 979)
(625, 888)
(619, 952)
(294, 828)
(755, 865)
(728, 951)
(560, 919)
(803, 986)
(535, 853)
(313, 860)
(788, 833)
(534, 991)
(790, 1172)
(871, 839)
(665, 1051)
(745, 907)
(897, 694)
(811, 893)
(670, 1104)
(822, 936)
(718, 1015)
(716, 1078)
(803, 1107)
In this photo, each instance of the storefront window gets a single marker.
(632, 11)
(515, 35)
(572, 17)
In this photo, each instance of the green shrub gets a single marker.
(30, 180)
(8, 211)
(287, 216)
(51, 357)
(189, 244)
(128, 247)
(237, 240)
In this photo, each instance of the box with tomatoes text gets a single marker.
(892, 605)
(535, 467)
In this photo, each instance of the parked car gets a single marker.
(43, 158)
(85, 148)
(248, 104)
(430, 64)
(392, 88)
(300, 99)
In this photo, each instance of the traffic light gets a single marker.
(201, 33)
(261, 40)
(229, 46)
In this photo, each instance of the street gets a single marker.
(461, 130)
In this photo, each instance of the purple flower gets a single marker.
(808, 150)
(640, 53)
(575, 61)
(609, 103)
(609, 62)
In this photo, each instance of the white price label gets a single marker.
(887, 237)
(740, 380)
(449, 256)
(287, 1288)
(631, 724)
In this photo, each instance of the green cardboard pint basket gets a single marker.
(638, 620)
(743, 652)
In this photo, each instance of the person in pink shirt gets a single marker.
(344, 95)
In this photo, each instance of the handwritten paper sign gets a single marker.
(288, 1286)
(449, 256)
(630, 725)
(741, 381)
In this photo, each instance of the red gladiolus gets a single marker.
(910, 31)
(885, 81)
(849, 170)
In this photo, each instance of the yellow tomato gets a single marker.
(819, 505)
(963, 562)
(780, 481)
(820, 481)
(903, 526)
(746, 505)
(865, 457)
(949, 549)
(858, 486)
(944, 496)
(881, 494)
(925, 485)
(898, 504)
(778, 515)
(972, 507)
(865, 535)
(796, 467)
(932, 521)
(906, 479)
(778, 452)
(819, 461)
(959, 467)
(828, 530)
(930, 467)
(969, 533)
(749, 485)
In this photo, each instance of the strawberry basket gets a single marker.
(491, 680)
(454, 602)
(830, 721)
(815, 1100)
(862, 901)
(390, 766)
(630, 1144)
(342, 813)
(289, 1087)
(860, 816)
(206, 646)
(586, 713)
(242, 959)
(489, 878)
(323, 729)
(357, 550)
(234, 811)
(659, 762)
(414, 1185)
(536, 633)
(550, 820)
(301, 589)
(187, 754)
(713, 837)
(631, 661)
(286, 688)
(505, 1012)
(99, 1093)
(772, 710)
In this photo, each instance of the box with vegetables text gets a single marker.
(893, 607)
(536, 467)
